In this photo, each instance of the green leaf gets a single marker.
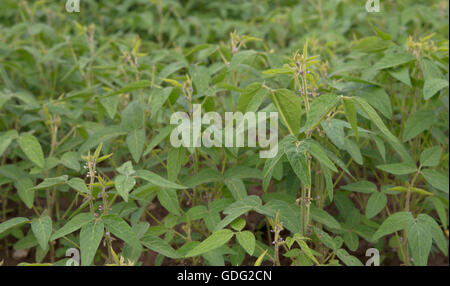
(110, 104)
(237, 188)
(364, 187)
(157, 180)
(351, 240)
(419, 242)
(135, 141)
(393, 223)
(257, 100)
(432, 86)
(430, 69)
(42, 229)
(238, 224)
(169, 200)
(117, 226)
(247, 95)
(328, 182)
(398, 168)
(71, 161)
(305, 248)
(6, 139)
(201, 77)
(393, 57)
(140, 228)
(325, 238)
(159, 138)
(350, 113)
(436, 179)
(380, 146)
(32, 149)
(439, 206)
(375, 204)
(130, 87)
(334, 129)
(159, 97)
(216, 240)
(353, 149)
(160, 246)
(420, 121)
(270, 163)
(4, 226)
(241, 57)
(278, 71)
(289, 214)
(379, 99)
(126, 169)
(435, 230)
(247, 240)
(79, 185)
(74, 224)
(170, 69)
(239, 208)
(124, 184)
(174, 162)
(102, 135)
(371, 44)
(319, 108)
(208, 175)
(260, 258)
(380, 125)
(324, 218)
(24, 189)
(405, 189)
(316, 150)
(402, 74)
(430, 157)
(242, 172)
(348, 259)
(299, 163)
(50, 182)
(90, 237)
(289, 107)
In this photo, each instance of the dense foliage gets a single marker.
(86, 159)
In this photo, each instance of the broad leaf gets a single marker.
(72, 225)
(436, 179)
(42, 229)
(375, 204)
(319, 108)
(215, 240)
(117, 226)
(247, 240)
(157, 180)
(160, 246)
(289, 108)
(4, 226)
(32, 149)
(398, 168)
(135, 141)
(365, 187)
(393, 223)
(90, 237)
(430, 157)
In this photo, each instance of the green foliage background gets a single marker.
(86, 162)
